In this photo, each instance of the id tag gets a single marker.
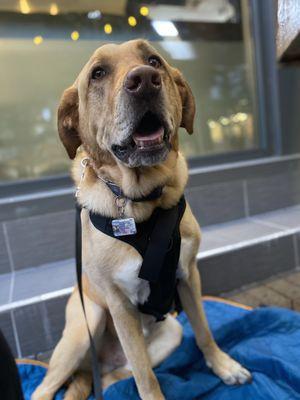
(123, 227)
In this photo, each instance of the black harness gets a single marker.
(158, 242)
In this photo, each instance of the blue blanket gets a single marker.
(265, 340)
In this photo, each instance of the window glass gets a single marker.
(44, 46)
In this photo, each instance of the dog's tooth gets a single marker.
(143, 144)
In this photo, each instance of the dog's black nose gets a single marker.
(141, 81)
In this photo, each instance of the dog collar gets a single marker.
(155, 194)
(118, 192)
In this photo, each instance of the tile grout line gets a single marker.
(248, 163)
(246, 198)
(18, 346)
(9, 252)
(246, 243)
(36, 196)
(36, 299)
(278, 292)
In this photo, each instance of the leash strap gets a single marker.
(159, 244)
(97, 386)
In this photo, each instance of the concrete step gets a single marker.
(249, 250)
(233, 254)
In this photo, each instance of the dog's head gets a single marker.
(127, 103)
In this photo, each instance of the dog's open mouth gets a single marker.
(149, 133)
(147, 144)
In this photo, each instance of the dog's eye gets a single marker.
(154, 61)
(98, 73)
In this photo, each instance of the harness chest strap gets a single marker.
(158, 241)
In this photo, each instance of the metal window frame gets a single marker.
(262, 16)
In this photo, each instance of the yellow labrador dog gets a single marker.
(121, 116)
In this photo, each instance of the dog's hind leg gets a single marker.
(73, 346)
(189, 288)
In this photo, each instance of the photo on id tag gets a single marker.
(123, 227)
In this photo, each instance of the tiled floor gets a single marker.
(283, 291)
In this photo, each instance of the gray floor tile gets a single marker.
(5, 282)
(7, 330)
(286, 218)
(40, 325)
(40, 280)
(42, 239)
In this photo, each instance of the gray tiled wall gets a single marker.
(249, 264)
(41, 239)
(40, 325)
(273, 192)
(217, 202)
(8, 331)
(215, 196)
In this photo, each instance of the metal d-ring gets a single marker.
(84, 162)
(120, 203)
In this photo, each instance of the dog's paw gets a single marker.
(39, 394)
(229, 370)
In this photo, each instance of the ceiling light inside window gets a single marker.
(75, 36)
(37, 40)
(24, 7)
(144, 11)
(95, 14)
(165, 28)
(132, 21)
(108, 29)
(179, 50)
(53, 9)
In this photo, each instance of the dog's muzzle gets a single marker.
(148, 142)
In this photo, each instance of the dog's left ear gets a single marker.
(187, 100)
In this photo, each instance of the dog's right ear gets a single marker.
(68, 121)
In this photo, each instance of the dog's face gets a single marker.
(126, 104)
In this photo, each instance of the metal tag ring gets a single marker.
(84, 162)
(120, 202)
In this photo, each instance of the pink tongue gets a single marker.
(142, 136)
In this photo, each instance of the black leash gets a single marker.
(97, 385)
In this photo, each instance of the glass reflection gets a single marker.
(44, 46)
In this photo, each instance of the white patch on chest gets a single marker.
(136, 289)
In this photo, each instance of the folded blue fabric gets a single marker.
(265, 340)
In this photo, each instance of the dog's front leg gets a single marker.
(127, 322)
(71, 349)
(230, 371)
